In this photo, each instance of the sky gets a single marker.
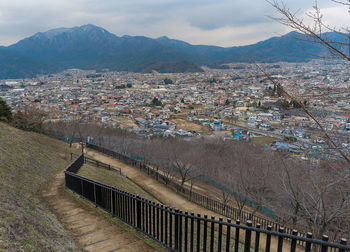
(211, 22)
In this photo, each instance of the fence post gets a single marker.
(176, 229)
(145, 216)
(324, 247)
(228, 235)
(126, 207)
(294, 241)
(212, 234)
(95, 194)
(257, 238)
(157, 221)
(280, 240)
(308, 244)
(130, 208)
(342, 242)
(248, 236)
(171, 228)
(192, 232)
(186, 232)
(198, 232)
(162, 223)
(154, 219)
(238, 222)
(166, 226)
(133, 210)
(138, 210)
(82, 188)
(115, 204)
(205, 233)
(180, 230)
(111, 202)
(150, 217)
(268, 239)
(220, 234)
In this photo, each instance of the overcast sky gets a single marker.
(213, 22)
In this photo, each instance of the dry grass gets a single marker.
(27, 161)
(113, 178)
(262, 140)
(126, 121)
(190, 126)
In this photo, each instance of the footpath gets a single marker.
(158, 190)
(93, 229)
(167, 196)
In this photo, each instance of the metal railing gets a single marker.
(77, 164)
(180, 231)
(98, 164)
(202, 200)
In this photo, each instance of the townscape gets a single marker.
(174, 125)
(238, 102)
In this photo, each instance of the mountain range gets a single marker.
(92, 47)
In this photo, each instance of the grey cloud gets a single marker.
(216, 14)
(175, 18)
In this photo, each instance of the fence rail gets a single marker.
(180, 231)
(98, 164)
(202, 200)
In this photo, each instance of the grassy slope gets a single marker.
(112, 178)
(27, 161)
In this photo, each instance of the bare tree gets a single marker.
(314, 33)
(318, 196)
(325, 200)
(301, 194)
(291, 185)
(159, 155)
(182, 157)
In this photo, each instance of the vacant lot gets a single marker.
(190, 126)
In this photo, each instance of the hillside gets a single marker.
(27, 161)
(92, 47)
(13, 65)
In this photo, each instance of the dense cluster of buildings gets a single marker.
(193, 104)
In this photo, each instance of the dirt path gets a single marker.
(165, 195)
(89, 227)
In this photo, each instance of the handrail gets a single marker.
(180, 231)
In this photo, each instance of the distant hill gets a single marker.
(291, 47)
(14, 65)
(92, 47)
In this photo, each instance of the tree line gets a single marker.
(28, 119)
